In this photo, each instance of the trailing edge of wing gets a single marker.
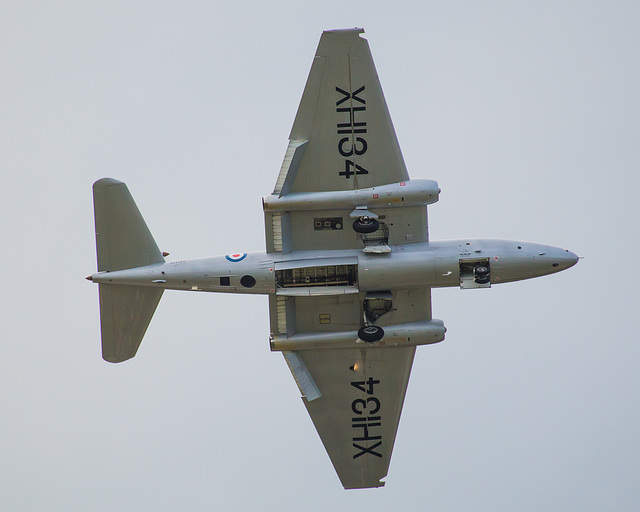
(303, 378)
(290, 165)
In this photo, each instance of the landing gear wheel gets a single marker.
(482, 279)
(365, 225)
(371, 333)
(481, 270)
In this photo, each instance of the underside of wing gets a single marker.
(343, 163)
(357, 415)
(344, 188)
(353, 391)
(342, 137)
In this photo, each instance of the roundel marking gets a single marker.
(234, 258)
(248, 281)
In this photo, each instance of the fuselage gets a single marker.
(430, 264)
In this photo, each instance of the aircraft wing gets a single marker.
(342, 140)
(343, 144)
(343, 126)
(355, 394)
(358, 413)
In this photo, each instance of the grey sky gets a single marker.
(526, 113)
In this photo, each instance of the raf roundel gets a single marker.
(234, 258)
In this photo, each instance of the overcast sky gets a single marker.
(527, 114)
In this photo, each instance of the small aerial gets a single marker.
(348, 266)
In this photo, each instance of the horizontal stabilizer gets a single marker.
(123, 239)
(125, 313)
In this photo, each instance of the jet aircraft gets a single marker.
(348, 267)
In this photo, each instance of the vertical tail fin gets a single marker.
(123, 241)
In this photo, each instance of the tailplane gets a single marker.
(123, 241)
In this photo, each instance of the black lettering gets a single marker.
(365, 404)
(376, 402)
(354, 147)
(341, 149)
(347, 173)
(350, 126)
(353, 95)
(365, 424)
(369, 383)
(350, 95)
(363, 150)
(346, 96)
(346, 127)
(354, 405)
(370, 419)
(365, 435)
(353, 119)
(369, 450)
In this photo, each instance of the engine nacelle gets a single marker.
(404, 193)
(401, 335)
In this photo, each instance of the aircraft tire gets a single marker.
(481, 270)
(482, 279)
(369, 226)
(371, 333)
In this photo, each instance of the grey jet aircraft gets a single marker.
(348, 267)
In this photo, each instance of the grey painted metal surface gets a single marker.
(348, 269)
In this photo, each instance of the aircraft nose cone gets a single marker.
(562, 259)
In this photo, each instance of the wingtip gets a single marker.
(358, 30)
(106, 182)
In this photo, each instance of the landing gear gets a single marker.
(481, 270)
(365, 225)
(482, 279)
(475, 273)
(375, 305)
(481, 273)
(371, 333)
